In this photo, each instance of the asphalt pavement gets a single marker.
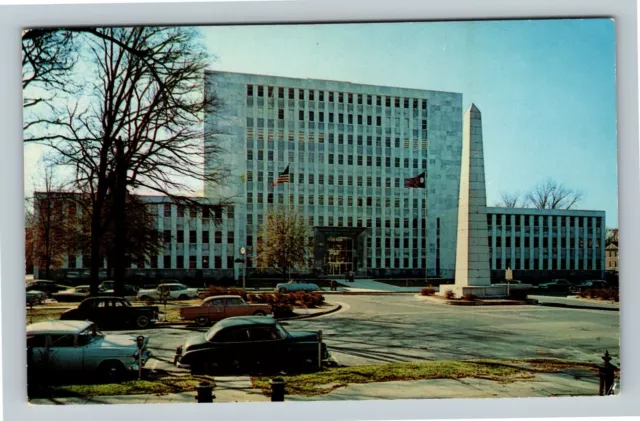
(392, 328)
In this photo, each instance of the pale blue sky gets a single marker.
(546, 89)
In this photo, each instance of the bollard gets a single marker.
(319, 350)
(607, 375)
(277, 389)
(205, 392)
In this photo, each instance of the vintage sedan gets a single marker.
(221, 307)
(48, 287)
(76, 294)
(250, 344)
(169, 291)
(72, 347)
(114, 312)
(293, 286)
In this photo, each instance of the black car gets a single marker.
(48, 287)
(557, 285)
(109, 311)
(109, 286)
(590, 285)
(250, 343)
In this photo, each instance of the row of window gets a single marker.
(527, 264)
(193, 237)
(352, 119)
(331, 179)
(545, 242)
(339, 139)
(360, 222)
(319, 200)
(181, 211)
(181, 263)
(339, 97)
(339, 159)
(573, 221)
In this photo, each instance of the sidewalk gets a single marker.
(575, 302)
(238, 389)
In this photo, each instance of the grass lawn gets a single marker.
(159, 386)
(328, 379)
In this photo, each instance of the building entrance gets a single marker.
(340, 255)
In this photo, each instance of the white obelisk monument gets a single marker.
(473, 273)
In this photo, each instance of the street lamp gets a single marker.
(244, 264)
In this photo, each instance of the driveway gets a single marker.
(381, 329)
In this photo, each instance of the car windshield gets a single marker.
(281, 331)
(211, 333)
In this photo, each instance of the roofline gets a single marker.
(213, 72)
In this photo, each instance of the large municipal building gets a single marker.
(349, 149)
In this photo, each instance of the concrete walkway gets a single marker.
(238, 389)
(369, 285)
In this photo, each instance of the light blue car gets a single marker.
(294, 286)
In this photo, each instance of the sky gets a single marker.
(546, 89)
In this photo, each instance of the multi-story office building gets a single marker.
(349, 148)
(543, 243)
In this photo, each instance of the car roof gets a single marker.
(103, 297)
(59, 327)
(221, 296)
(245, 321)
(172, 283)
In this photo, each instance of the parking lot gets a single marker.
(380, 329)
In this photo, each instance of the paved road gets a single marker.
(381, 329)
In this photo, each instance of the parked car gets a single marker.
(35, 297)
(556, 285)
(76, 294)
(113, 312)
(220, 307)
(48, 287)
(597, 284)
(173, 292)
(108, 288)
(78, 346)
(294, 285)
(250, 343)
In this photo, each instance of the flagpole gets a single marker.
(426, 231)
(289, 218)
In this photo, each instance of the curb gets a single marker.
(366, 292)
(307, 316)
(444, 301)
(560, 305)
(304, 316)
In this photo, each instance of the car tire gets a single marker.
(111, 371)
(202, 321)
(183, 297)
(143, 322)
(259, 313)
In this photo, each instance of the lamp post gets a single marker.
(243, 252)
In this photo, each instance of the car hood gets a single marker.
(194, 342)
(120, 341)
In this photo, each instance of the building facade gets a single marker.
(349, 149)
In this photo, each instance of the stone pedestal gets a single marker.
(473, 272)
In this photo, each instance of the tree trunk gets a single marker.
(119, 219)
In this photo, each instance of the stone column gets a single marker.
(472, 252)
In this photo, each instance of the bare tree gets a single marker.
(52, 228)
(509, 200)
(142, 127)
(284, 244)
(550, 194)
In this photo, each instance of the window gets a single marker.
(192, 262)
(167, 236)
(249, 90)
(180, 262)
(180, 211)
(180, 236)
(280, 114)
(230, 262)
(193, 237)
(167, 262)
(218, 237)
(230, 237)
(260, 91)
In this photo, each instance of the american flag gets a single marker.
(282, 178)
